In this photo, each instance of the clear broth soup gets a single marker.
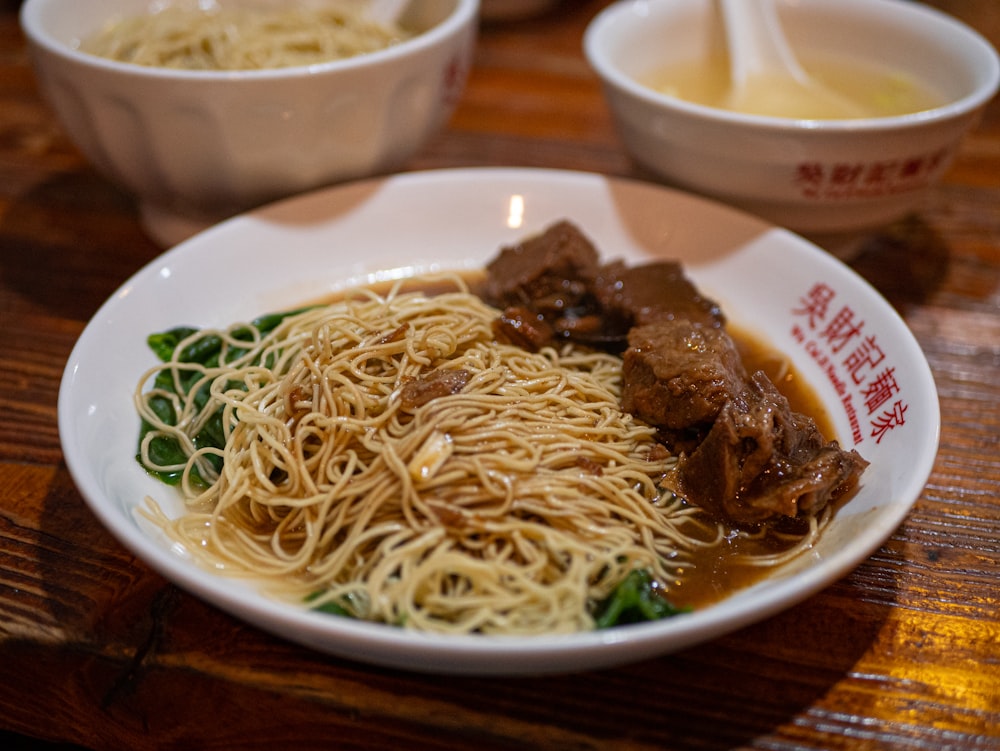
(876, 90)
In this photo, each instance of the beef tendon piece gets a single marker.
(761, 461)
(747, 456)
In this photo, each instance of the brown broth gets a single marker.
(718, 571)
(758, 354)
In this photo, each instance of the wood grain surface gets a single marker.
(97, 650)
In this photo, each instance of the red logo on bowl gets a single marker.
(853, 360)
(453, 78)
(851, 180)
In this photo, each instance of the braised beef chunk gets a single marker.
(678, 375)
(548, 273)
(557, 276)
(523, 328)
(639, 294)
(761, 461)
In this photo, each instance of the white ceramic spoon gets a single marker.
(766, 77)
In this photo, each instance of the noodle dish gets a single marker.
(522, 449)
(552, 462)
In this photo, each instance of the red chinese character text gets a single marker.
(845, 174)
(881, 173)
(865, 357)
(880, 390)
(888, 420)
(809, 173)
(912, 167)
(815, 304)
(841, 329)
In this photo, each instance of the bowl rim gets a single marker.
(600, 61)
(462, 15)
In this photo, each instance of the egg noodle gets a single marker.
(510, 506)
(214, 37)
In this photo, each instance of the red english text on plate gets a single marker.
(853, 360)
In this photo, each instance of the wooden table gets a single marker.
(97, 650)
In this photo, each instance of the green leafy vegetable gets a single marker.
(638, 598)
(205, 350)
(346, 606)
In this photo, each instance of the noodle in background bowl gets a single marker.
(198, 146)
(875, 383)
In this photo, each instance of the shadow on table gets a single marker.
(720, 695)
(906, 262)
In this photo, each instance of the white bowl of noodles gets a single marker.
(871, 379)
(196, 146)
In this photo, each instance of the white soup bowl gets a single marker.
(819, 177)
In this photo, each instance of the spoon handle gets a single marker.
(756, 42)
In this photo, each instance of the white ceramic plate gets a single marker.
(845, 339)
